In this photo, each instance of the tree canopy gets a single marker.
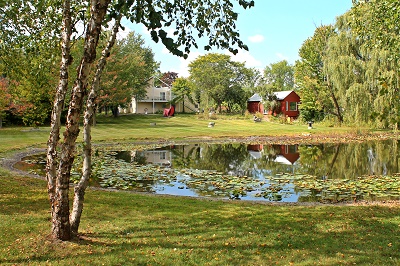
(218, 79)
(130, 64)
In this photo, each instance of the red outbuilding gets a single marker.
(288, 104)
(254, 104)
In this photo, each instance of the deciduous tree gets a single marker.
(188, 17)
(130, 64)
(217, 77)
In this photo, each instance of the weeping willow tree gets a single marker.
(364, 77)
(345, 63)
(315, 87)
(375, 23)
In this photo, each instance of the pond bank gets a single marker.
(8, 162)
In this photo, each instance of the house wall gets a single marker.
(142, 107)
(285, 105)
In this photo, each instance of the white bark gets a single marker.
(79, 191)
(54, 137)
(61, 222)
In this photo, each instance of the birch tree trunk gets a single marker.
(80, 188)
(52, 143)
(61, 224)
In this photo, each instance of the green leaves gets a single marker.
(211, 19)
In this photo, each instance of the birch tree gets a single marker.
(191, 19)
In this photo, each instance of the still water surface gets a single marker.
(252, 172)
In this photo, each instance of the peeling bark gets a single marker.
(52, 143)
(80, 188)
(61, 224)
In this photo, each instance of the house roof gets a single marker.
(255, 98)
(280, 95)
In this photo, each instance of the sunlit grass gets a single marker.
(155, 127)
(120, 228)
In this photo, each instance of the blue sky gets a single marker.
(274, 30)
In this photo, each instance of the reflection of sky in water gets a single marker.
(261, 163)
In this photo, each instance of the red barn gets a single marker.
(289, 101)
(288, 104)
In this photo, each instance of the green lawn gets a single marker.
(121, 228)
(140, 127)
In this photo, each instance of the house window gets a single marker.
(162, 96)
(293, 106)
(163, 155)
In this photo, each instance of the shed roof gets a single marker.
(255, 98)
(280, 95)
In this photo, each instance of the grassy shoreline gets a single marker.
(120, 228)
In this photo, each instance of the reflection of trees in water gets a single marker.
(324, 160)
(350, 160)
(223, 158)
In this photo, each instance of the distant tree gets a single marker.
(279, 76)
(182, 89)
(169, 77)
(4, 100)
(29, 50)
(130, 64)
(217, 77)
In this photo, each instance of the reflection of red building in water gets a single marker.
(255, 150)
(288, 154)
(285, 154)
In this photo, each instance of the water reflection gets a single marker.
(325, 160)
(258, 171)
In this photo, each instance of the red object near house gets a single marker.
(169, 111)
(289, 101)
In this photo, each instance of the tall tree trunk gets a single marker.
(51, 165)
(61, 223)
(334, 99)
(80, 188)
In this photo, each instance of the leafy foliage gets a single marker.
(218, 79)
(191, 19)
(129, 66)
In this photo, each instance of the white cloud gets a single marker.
(256, 38)
(245, 57)
(184, 63)
(282, 56)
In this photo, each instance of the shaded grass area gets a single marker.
(120, 228)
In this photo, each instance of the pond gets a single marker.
(279, 173)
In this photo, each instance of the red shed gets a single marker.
(254, 104)
(289, 101)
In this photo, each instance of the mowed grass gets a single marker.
(182, 126)
(121, 228)
(190, 126)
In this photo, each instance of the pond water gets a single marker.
(281, 173)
